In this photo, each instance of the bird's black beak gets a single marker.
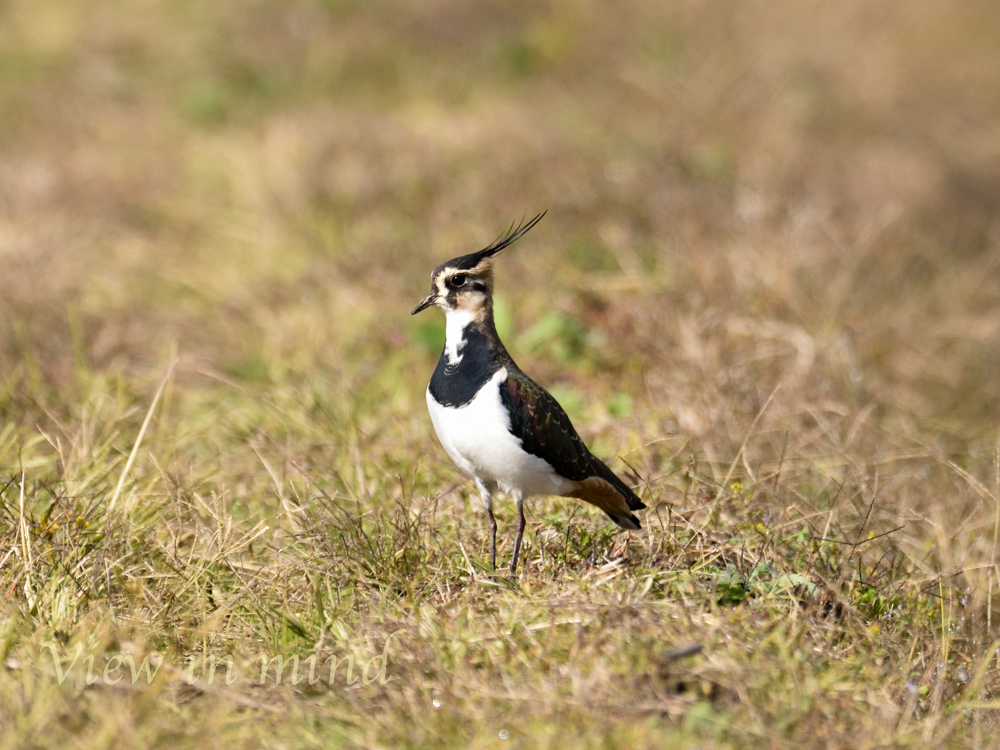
(426, 302)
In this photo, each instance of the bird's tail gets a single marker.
(628, 522)
(609, 498)
(632, 499)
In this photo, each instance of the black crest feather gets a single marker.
(512, 235)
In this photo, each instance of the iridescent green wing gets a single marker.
(545, 430)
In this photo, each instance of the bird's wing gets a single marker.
(545, 430)
(539, 422)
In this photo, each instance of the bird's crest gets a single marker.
(506, 239)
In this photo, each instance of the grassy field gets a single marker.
(766, 290)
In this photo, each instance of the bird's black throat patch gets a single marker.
(456, 385)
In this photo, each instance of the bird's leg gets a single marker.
(493, 540)
(519, 499)
(487, 497)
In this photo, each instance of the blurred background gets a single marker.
(768, 280)
(738, 193)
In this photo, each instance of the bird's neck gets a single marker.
(457, 323)
(463, 325)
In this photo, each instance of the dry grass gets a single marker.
(767, 281)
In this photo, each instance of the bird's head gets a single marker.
(466, 283)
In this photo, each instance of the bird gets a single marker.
(499, 426)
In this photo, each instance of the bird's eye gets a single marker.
(458, 279)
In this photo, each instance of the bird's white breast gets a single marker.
(477, 437)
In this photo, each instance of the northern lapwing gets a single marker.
(503, 429)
